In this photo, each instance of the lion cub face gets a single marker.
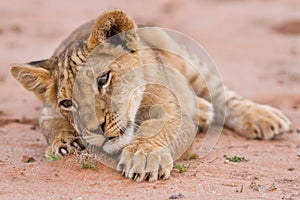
(85, 82)
(110, 103)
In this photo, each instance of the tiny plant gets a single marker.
(182, 167)
(31, 160)
(27, 159)
(54, 157)
(236, 159)
(86, 165)
(193, 156)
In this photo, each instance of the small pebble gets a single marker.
(176, 195)
(291, 169)
(2, 163)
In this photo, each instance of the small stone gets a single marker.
(176, 195)
(2, 163)
(290, 131)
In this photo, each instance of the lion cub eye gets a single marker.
(103, 80)
(66, 103)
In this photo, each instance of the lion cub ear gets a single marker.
(35, 77)
(115, 27)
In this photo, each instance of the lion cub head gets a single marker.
(82, 80)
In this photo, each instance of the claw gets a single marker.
(63, 151)
(77, 145)
(150, 167)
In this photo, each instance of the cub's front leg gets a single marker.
(60, 135)
(158, 144)
(254, 120)
(142, 160)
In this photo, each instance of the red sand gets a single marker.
(257, 50)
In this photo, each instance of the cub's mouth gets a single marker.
(109, 138)
(115, 143)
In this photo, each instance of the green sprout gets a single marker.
(182, 167)
(236, 159)
(31, 160)
(54, 157)
(86, 165)
(193, 156)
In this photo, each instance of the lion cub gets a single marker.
(118, 90)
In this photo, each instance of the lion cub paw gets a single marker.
(205, 114)
(262, 122)
(141, 166)
(64, 144)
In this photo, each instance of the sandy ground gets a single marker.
(256, 45)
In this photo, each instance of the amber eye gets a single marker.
(66, 103)
(102, 80)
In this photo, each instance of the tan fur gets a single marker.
(146, 145)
